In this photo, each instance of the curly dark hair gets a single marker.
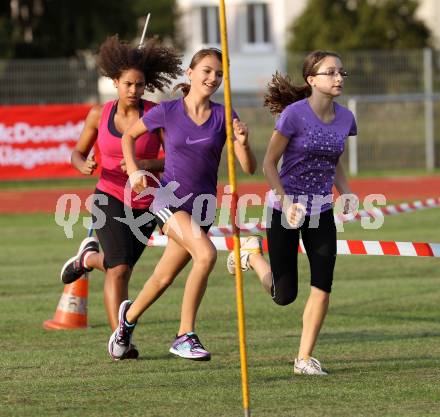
(281, 91)
(160, 64)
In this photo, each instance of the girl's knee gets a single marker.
(206, 258)
(321, 293)
(166, 281)
(284, 288)
(286, 298)
(119, 273)
(162, 277)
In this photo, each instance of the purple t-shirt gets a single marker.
(192, 152)
(312, 153)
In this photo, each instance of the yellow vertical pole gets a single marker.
(236, 231)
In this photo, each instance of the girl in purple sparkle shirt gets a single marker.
(310, 135)
(194, 133)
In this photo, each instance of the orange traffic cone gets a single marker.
(71, 312)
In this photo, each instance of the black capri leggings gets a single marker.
(320, 245)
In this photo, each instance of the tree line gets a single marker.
(65, 28)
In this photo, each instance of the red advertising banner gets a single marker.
(36, 141)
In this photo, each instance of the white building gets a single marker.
(258, 33)
(429, 12)
(257, 36)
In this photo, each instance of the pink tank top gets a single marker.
(112, 179)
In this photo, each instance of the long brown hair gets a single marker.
(198, 56)
(160, 64)
(281, 90)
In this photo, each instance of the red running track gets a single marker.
(394, 189)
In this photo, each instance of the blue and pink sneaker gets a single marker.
(188, 346)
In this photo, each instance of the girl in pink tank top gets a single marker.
(133, 70)
(112, 178)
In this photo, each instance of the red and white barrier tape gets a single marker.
(345, 247)
(245, 227)
(341, 218)
(390, 210)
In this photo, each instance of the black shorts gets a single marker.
(120, 245)
(164, 214)
(320, 245)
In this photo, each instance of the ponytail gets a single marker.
(184, 87)
(281, 92)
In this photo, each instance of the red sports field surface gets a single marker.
(401, 188)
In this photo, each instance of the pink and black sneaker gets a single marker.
(74, 268)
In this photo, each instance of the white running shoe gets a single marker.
(188, 346)
(309, 366)
(252, 244)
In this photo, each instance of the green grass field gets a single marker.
(381, 340)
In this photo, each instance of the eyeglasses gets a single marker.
(333, 73)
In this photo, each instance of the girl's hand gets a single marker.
(295, 214)
(89, 166)
(138, 181)
(123, 165)
(241, 131)
(351, 203)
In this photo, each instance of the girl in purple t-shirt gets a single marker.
(310, 135)
(194, 132)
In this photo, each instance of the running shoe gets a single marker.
(310, 366)
(74, 268)
(252, 244)
(188, 346)
(119, 344)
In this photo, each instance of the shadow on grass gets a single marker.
(383, 316)
(160, 357)
(350, 337)
(392, 364)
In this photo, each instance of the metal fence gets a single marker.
(46, 81)
(395, 132)
(384, 72)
